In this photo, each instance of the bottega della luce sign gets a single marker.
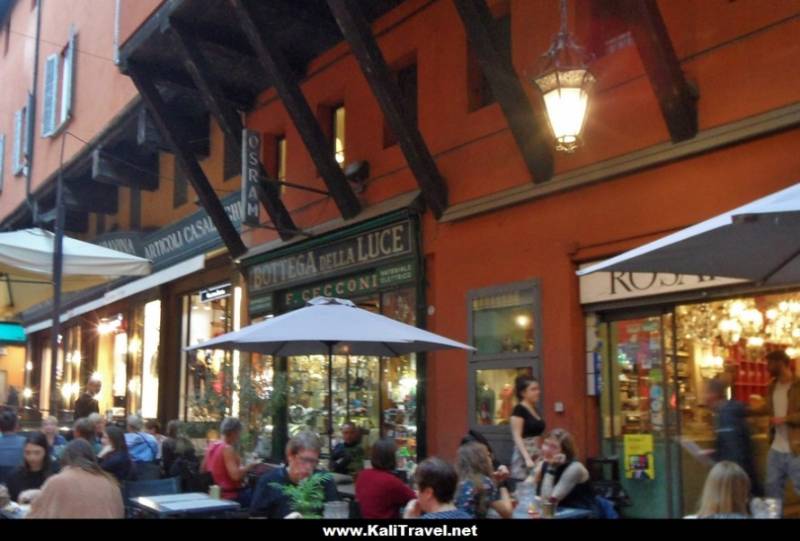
(344, 256)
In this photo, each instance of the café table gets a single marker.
(191, 504)
(520, 512)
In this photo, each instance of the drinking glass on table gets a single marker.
(338, 510)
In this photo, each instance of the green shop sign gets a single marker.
(357, 252)
(347, 287)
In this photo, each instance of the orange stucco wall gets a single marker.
(13, 363)
(731, 51)
(101, 91)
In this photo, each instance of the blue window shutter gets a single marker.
(68, 78)
(50, 95)
(2, 160)
(27, 149)
(16, 158)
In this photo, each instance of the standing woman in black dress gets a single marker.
(527, 427)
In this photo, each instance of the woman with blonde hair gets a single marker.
(476, 491)
(725, 492)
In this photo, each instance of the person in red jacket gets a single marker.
(379, 492)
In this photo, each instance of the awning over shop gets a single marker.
(11, 333)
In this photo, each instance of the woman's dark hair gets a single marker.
(384, 455)
(438, 475)
(173, 427)
(184, 447)
(8, 420)
(780, 356)
(39, 439)
(117, 438)
(522, 383)
(153, 424)
(79, 454)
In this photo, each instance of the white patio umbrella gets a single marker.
(331, 326)
(759, 241)
(26, 267)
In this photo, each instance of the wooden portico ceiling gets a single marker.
(356, 30)
(275, 63)
(676, 98)
(528, 127)
(230, 121)
(224, 53)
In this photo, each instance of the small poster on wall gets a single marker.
(639, 461)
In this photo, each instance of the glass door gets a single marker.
(639, 413)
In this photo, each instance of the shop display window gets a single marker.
(68, 371)
(143, 348)
(504, 323)
(112, 365)
(494, 394)
(208, 372)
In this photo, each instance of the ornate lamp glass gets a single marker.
(566, 84)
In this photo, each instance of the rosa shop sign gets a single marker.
(616, 286)
(344, 256)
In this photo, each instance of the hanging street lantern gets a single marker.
(566, 84)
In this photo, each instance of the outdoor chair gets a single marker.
(604, 474)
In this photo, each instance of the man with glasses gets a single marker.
(302, 457)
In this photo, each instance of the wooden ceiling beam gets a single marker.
(528, 127)
(277, 68)
(676, 97)
(173, 132)
(358, 33)
(230, 122)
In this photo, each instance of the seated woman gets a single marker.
(476, 491)
(224, 464)
(725, 492)
(82, 489)
(115, 458)
(560, 476)
(37, 466)
(186, 466)
(379, 492)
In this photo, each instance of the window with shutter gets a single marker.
(16, 158)
(2, 160)
(68, 78)
(50, 96)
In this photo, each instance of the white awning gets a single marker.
(169, 274)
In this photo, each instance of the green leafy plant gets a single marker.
(308, 496)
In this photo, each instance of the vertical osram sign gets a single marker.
(251, 158)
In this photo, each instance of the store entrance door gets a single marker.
(639, 412)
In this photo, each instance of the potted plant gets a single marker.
(308, 496)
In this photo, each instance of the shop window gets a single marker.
(208, 373)
(406, 80)
(495, 395)
(112, 364)
(504, 323)
(479, 91)
(68, 369)
(379, 395)
(143, 348)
